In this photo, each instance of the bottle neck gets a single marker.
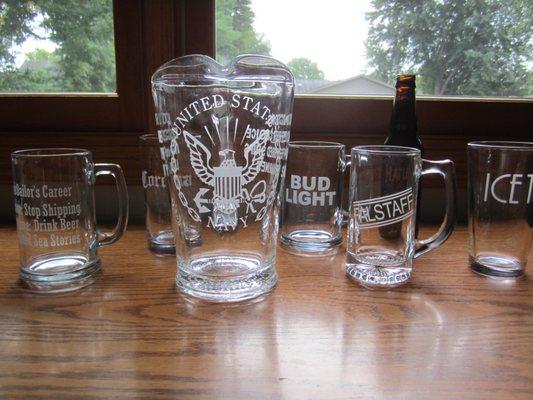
(403, 118)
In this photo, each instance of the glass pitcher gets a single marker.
(224, 133)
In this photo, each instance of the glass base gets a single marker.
(162, 249)
(378, 276)
(307, 242)
(60, 274)
(226, 279)
(496, 265)
(162, 244)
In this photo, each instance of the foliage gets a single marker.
(85, 35)
(304, 68)
(42, 79)
(15, 27)
(467, 47)
(235, 33)
(83, 31)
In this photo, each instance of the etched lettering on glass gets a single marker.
(385, 210)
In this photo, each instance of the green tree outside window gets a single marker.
(458, 47)
(304, 68)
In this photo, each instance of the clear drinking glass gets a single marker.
(383, 193)
(500, 206)
(156, 198)
(56, 225)
(311, 211)
(224, 133)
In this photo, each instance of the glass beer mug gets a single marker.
(224, 132)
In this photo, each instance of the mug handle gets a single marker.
(114, 170)
(446, 169)
(346, 168)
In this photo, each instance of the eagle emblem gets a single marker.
(228, 180)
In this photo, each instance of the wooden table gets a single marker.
(447, 334)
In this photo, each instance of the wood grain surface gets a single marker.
(448, 334)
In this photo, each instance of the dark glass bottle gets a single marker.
(403, 131)
(403, 127)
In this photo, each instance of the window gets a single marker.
(456, 48)
(449, 115)
(149, 33)
(57, 47)
(77, 89)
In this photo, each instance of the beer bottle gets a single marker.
(403, 127)
(402, 132)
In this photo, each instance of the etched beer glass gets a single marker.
(500, 207)
(224, 132)
(381, 233)
(156, 198)
(311, 211)
(56, 223)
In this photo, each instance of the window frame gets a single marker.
(151, 32)
(445, 124)
(147, 34)
(120, 111)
